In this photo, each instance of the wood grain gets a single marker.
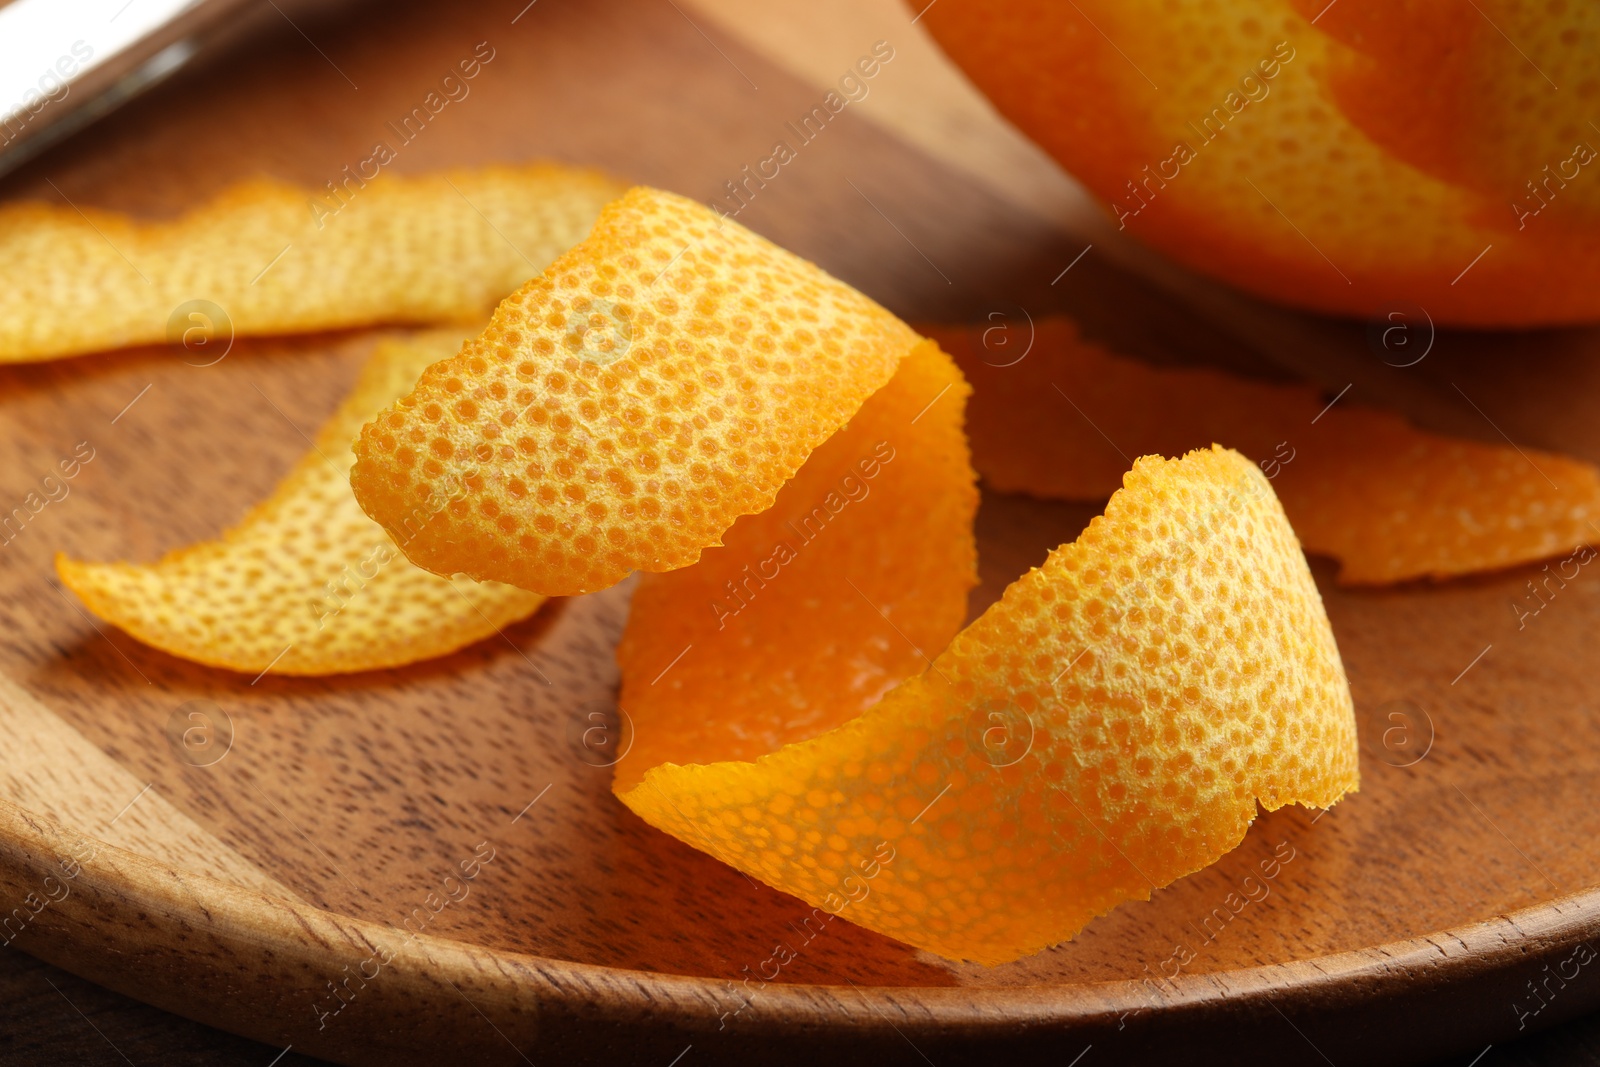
(50, 768)
(1409, 919)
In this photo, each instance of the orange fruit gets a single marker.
(1347, 157)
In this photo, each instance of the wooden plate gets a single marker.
(1446, 906)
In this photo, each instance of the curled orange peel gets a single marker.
(800, 709)
(664, 377)
(265, 257)
(307, 584)
(1107, 727)
(813, 609)
(1389, 501)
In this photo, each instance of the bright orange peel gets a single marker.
(307, 584)
(1108, 726)
(677, 395)
(1389, 501)
(813, 609)
(664, 377)
(270, 258)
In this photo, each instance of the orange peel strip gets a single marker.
(674, 393)
(274, 258)
(813, 609)
(1389, 501)
(624, 408)
(1105, 728)
(306, 584)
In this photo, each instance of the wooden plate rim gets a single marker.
(187, 902)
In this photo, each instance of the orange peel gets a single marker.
(306, 584)
(265, 257)
(813, 609)
(1389, 501)
(1107, 727)
(677, 396)
(664, 377)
